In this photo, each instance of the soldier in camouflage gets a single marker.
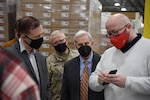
(55, 61)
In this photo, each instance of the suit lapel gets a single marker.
(95, 60)
(29, 66)
(25, 59)
(77, 72)
(39, 66)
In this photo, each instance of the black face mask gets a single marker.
(61, 47)
(35, 43)
(84, 50)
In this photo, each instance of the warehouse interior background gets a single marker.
(69, 16)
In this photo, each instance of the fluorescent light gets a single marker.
(116, 4)
(123, 9)
(100, 7)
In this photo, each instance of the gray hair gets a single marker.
(56, 32)
(82, 32)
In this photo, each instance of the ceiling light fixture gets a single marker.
(100, 7)
(116, 4)
(123, 9)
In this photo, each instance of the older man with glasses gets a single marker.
(55, 61)
(130, 57)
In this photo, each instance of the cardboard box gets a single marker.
(71, 45)
(3, 28)
(70, 37)
(61, 23)
(39, 15)
(70, 23)
(2, 6)
(2, 14)
(46, 30)
(45, 53)
(47, 1)
(79, 15)
(78, 24)
(2, 21)
(79, 7)
(80, 1)
(61, 1)
(61, 15)
(61, 7)
(46, 23)
(3, 36)
(46, 38)
(53, 7)
(36, 1)
(45, 46)
(2, 42)
(70, 30)
(35, 7)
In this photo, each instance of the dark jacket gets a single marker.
(71, 80)
(41, 64)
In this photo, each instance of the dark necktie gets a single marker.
(84, 83)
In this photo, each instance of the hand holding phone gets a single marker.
(111, 72)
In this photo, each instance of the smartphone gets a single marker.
(111, 72)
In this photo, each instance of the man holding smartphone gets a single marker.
(132, 80)
(111, 72)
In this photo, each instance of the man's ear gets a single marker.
(129, 28)
(66, 41)
(92, 43)
(75, 46)
(23, 36)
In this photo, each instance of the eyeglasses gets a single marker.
(115, 33)
(59, 42)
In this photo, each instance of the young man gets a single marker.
(31, 38)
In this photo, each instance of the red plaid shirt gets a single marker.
(15, 82)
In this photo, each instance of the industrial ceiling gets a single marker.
(129, 5)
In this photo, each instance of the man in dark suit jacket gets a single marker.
(31, 38)
(73, 69)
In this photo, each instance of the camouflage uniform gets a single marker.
(55, 64)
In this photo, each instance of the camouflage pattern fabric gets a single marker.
(55, 64)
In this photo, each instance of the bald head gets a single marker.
(117, 20)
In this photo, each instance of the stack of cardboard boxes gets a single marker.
(3, 22)
(68, 16)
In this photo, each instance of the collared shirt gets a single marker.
(82, 65)
(134, 63)
(15, 82)
(131, 43)
(32, 59)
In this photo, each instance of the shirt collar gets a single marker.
(22, 47)
(89, 59)
(130, 44)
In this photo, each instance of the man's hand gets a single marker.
(118, 80)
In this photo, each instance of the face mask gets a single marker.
(61, 47)
(121, 40)
(84, 50)
(35, 43)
